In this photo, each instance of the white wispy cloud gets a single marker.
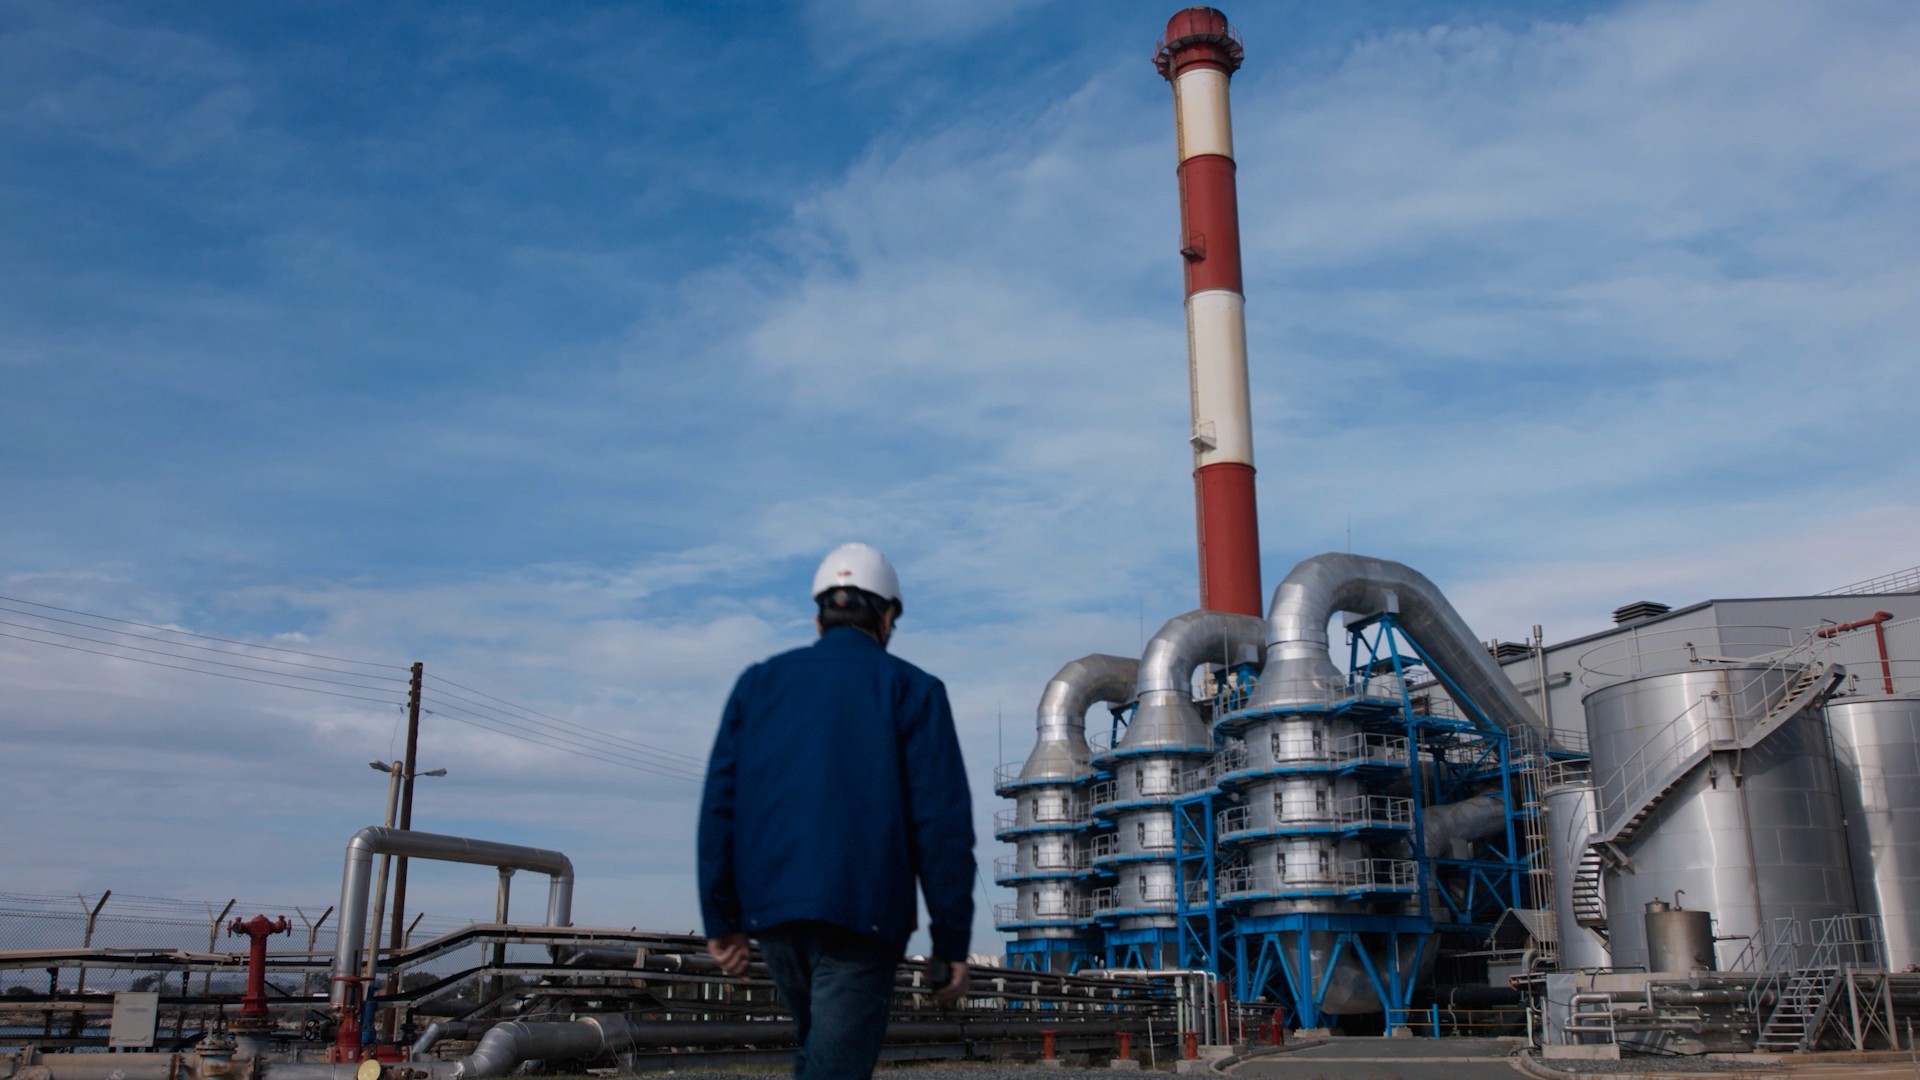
(1563, 314)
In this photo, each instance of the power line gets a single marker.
(589, 755)
(201, 671)
(527, 714)
(560, 742)
(189, 659)
(550, 739)
(565, 736)
(204, 637)
(183, 644)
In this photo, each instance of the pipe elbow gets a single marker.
(365, 844)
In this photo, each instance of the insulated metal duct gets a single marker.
(1060, 748)
(1050, 811)
(1166, 718)
(356, 883)
(1166, 737)
(1475, 818)
(1300, 670)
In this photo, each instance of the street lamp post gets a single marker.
(396, 773)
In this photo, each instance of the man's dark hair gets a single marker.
(857, 608)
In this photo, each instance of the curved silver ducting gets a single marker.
(356, 883)
(1060, 750)
(1300, 671)
(505, 1046)
(1476, 818)
(1166, 719)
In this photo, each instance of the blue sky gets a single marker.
(552, 347)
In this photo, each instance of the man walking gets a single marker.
(835, 785)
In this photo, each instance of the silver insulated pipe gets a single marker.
(357, 878)
(1165, 739)
(1300, 669)
(1060, 747)
(1166, 718)
(1049, 812)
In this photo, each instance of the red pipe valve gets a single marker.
(259, 929)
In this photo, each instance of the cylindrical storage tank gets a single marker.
(1570, 821)
(1877, 749)
(1677, 940)
(1753, 835)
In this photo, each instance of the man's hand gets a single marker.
(956, 987)
(730, 950)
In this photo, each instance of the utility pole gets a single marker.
(406, 803)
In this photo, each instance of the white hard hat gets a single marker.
(857, 566)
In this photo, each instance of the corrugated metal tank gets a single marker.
(1876, 745)
(1753, 836)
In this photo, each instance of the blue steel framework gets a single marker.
(1271, 954)
(1267, 957)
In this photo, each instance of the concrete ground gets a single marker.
(1495, 1059)
(1386, 1059)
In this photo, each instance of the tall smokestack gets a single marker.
(1198, 55)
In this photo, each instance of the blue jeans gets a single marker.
(838, 985)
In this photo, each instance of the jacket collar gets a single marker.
(847, 638)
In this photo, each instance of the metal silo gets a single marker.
(1876, 743)
(1710, 784)
(1577, 918)
(1167, 737)
(1048, 820)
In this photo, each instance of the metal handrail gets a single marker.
(1907, 580)
(1397, 875)
(1872, 676)
(1359, 746)
(1658, 652)
(1049, 813)
(1568, 771)
(1642, 773)
(1233, 820)
(1387, 811)
(1338, 691)
(1043, 861)
(1772, 952)
(1106, 794)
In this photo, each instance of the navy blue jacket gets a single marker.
(836, 783)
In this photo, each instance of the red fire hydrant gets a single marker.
(1125, 1039)
(1192, 1044)
(259, 929)
(1048, 1050)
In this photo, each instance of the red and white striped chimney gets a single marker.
(1198, 55)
